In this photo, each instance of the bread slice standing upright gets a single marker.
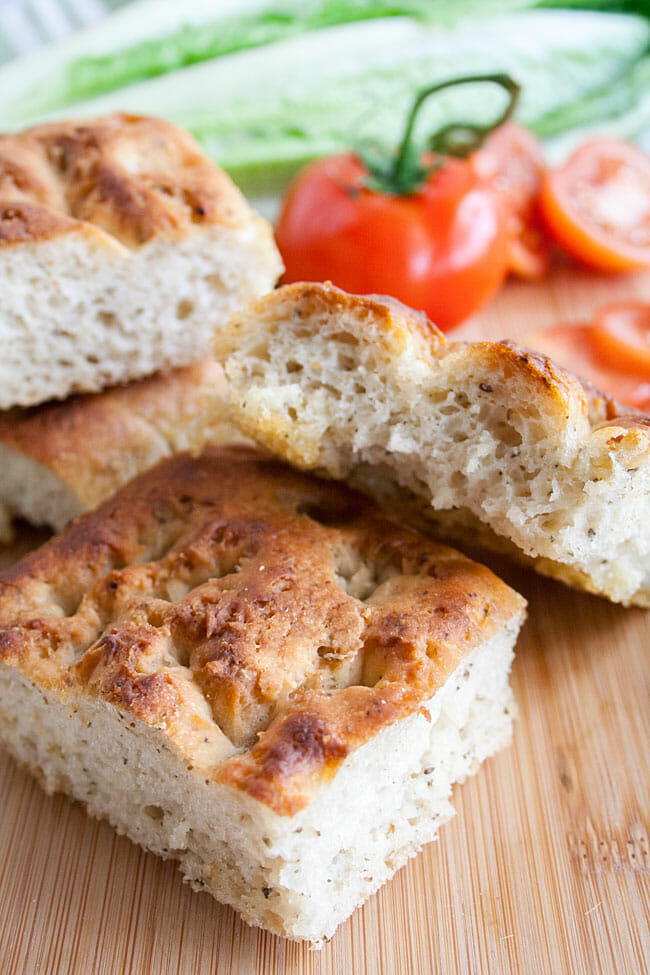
(496, 443)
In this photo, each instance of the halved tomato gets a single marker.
(597, 206)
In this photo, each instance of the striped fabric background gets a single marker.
(27, 24)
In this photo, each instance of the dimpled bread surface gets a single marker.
(257, 673)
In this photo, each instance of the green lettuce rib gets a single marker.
(625, 96)
(263, 111)
(261, 142)
(86, 77)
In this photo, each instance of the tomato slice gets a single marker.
(597, 206)
(620, 335)
(573, 347)
(512, 160)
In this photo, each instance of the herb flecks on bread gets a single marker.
(492, 442)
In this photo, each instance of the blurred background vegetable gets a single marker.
(266, 86)
(513, 160)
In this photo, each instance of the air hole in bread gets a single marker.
(155, 812)
(458, 480)
(106, 317)
(293, 366)
(358, 575)
(345, 337)
(346, 362)
(215, 280)
(155, 614)
(328, 515)
(184, 309)
(329, 653)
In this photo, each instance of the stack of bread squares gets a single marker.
(121, 249)
(240, 661)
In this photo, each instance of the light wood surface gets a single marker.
(546, 867)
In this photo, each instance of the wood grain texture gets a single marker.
(546, 867)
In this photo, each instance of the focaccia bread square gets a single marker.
(491, 443)
(258, 674)
(121, 247)
(63, 458)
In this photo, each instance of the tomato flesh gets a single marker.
(442, 249)
(621, 337)
(597, 206)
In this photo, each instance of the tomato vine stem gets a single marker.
(459, 139)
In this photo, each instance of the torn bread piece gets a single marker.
(256, 673)
(121, 246)
(63, 458)
(499, 445)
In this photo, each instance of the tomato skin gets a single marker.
(580, 210)
(620, 335)
(512, 159)
(529, 255)
(441, 249)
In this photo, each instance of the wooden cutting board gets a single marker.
(546, 867)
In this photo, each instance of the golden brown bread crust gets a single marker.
(97, 441)
(363, 389)
(395, 326)
(22, 221)
(561, 383)
(65, 457)
(135, 178)
(232, 594)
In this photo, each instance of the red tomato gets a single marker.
(442, 249)
(573, 347)
(621, 336)
(511, 158)
(597, 206)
